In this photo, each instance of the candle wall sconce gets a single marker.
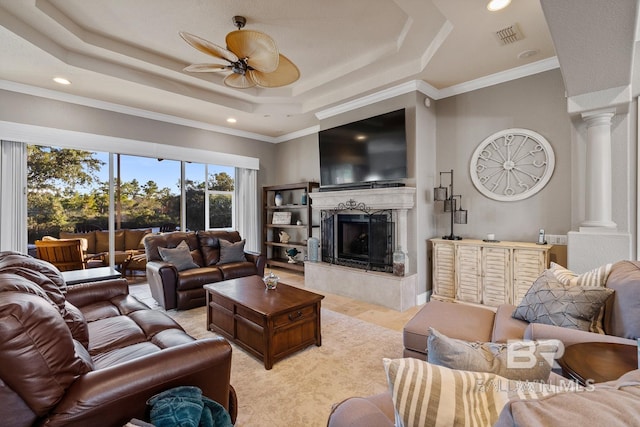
(444, 194)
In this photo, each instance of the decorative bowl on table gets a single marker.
(270, 281)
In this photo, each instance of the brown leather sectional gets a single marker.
(91, 354)
(184, 290)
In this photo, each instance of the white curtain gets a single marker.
(13, 196)
(247, 216)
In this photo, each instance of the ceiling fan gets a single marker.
(252, 56)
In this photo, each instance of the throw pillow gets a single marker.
(493, 357)
(428, 395)
(231, 252)
(550, 302)
(596, 277)
(180, 256)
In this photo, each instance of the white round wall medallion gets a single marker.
(512, 164)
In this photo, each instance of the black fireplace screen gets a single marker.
(358, 240)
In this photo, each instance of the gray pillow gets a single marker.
(550, 302)
(231, 252)
(493, 357)
(180, 256)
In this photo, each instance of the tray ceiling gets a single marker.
(129, 53)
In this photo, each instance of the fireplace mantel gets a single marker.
(374, 198)
(397, 199)
(398, 293)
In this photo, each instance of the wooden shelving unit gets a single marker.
(273, 248)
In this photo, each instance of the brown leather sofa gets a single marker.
(184, 290)
(91, 354)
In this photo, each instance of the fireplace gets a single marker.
(360, 240)
(359, 231)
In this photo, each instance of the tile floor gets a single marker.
(371, 313)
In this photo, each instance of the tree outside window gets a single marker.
(67, 187)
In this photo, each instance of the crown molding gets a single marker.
(401, 89)
(426, 89)
(391, 92)
(123, 109)
(501, 77)
(298, 134)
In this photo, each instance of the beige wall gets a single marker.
(464, 121)
(297, 160)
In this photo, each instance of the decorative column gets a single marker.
(598, 242)
(598, 169)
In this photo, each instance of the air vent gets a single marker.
(510, 34)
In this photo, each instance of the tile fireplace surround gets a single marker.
(385, 289)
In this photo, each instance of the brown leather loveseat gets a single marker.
(91, 354)
(183, 289)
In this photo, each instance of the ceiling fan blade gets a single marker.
(259, 49)
(207, 47)
(206, 68)
(239, 81)
(285, 74)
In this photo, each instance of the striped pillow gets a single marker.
(596, 277)
(429, 395)
(592, 278)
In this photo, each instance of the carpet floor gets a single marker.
(300, 390)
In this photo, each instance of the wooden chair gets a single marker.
(65, 254)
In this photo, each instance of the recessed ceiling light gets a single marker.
(361, 137)
(61, 80)
(495, 5)
(527, 53)
(231, 120)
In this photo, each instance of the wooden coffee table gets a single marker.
(598, 361)
(269, 324)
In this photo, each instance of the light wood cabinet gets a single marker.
(299, 225)
(487, 273)
(468, 273)
(444, 271)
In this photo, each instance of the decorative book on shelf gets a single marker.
(281, 218)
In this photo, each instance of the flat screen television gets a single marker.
(372, 150)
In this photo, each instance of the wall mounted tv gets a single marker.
(365, 152)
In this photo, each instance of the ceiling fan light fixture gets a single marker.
(239, 21)
(252, 56)
(496, 5)
(528, 53)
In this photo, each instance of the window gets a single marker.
(148, 192)
(220, 194)
(68, 187)
(64, 190)
(195, 195)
